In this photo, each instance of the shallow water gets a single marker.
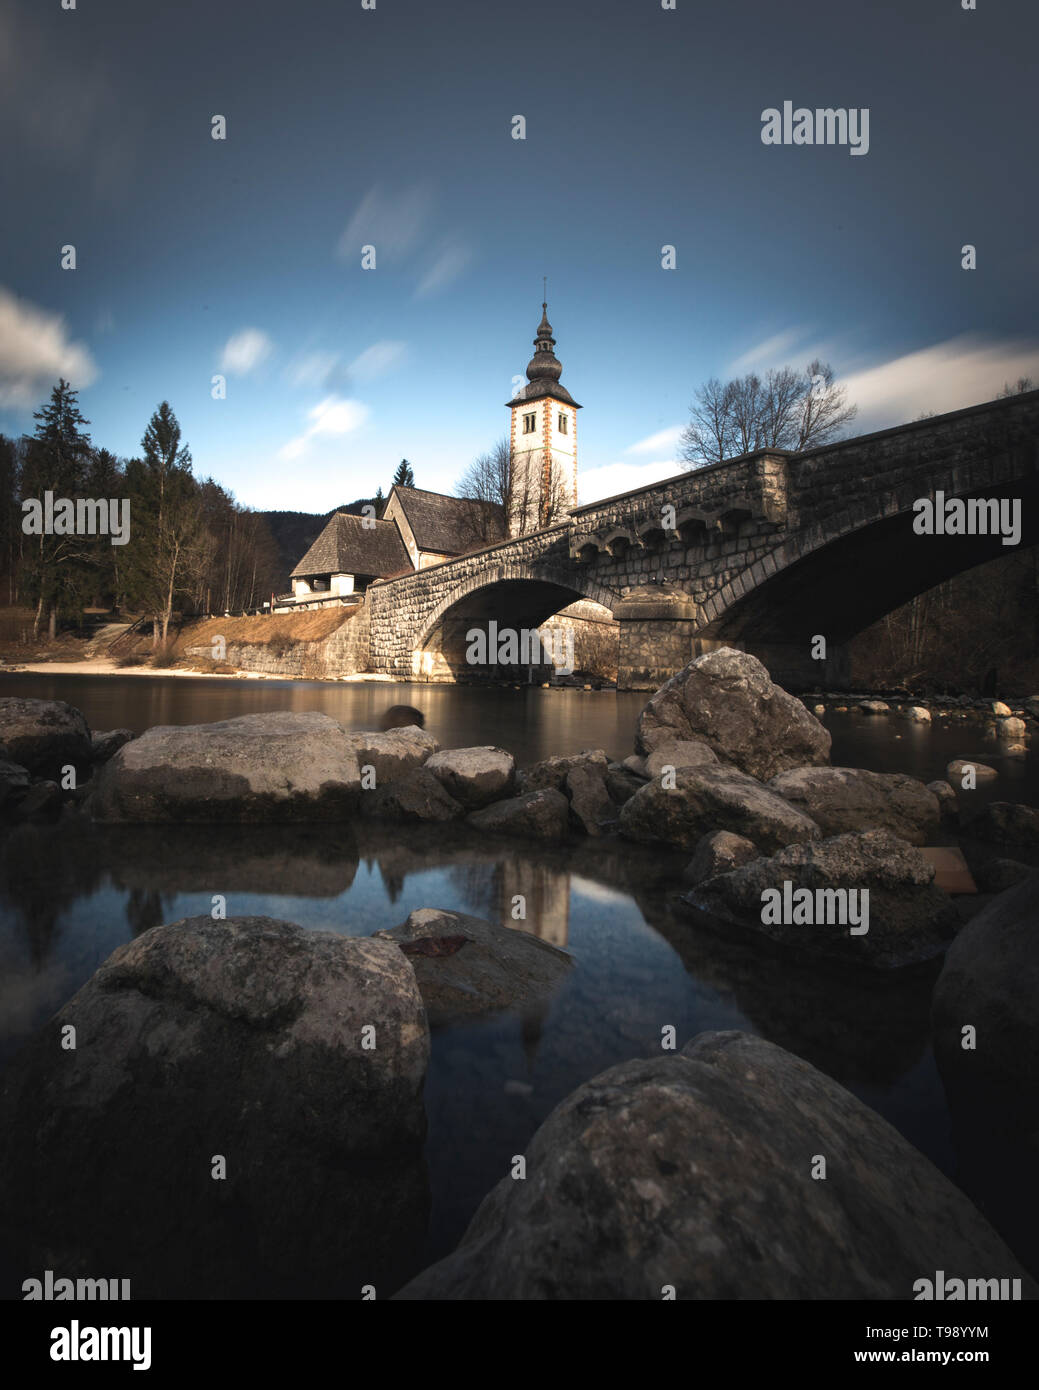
(70, 894)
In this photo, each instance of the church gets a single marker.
(419, 528)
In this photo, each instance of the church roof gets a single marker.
(346, 546)
(544, 369)
(448, 525)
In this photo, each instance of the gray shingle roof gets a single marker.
(345, 546)
(449, 525)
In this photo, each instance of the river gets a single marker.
(71, 893)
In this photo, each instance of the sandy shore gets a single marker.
(104, 666)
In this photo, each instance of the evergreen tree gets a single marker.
(405, 475)
(57, 460)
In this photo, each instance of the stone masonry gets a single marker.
(763, 552)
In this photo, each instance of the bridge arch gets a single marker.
(523, 595)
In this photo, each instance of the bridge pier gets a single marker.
(657, 631)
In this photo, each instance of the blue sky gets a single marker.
(393, 127)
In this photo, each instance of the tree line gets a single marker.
(190, 546)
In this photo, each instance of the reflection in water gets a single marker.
(69, 894)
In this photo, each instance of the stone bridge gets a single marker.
(766, 552)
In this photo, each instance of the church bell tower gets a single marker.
(542, 441)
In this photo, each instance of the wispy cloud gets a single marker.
(378, 359)
(334, 416)
(445, 269)
(314, 369)
(391, 222)
(947, 376)
(771, 352)
(658, 443)
(35, 350)
(244, 351)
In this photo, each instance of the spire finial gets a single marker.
(544, 283)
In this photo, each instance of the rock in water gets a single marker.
(841, 799)
(719, 853)
(727, 700)
(538, 815)
(105, 745)
(695, 1172)
(244, 1040)
(591, 806)
(412, 797)
(990, 981)
(704, 799)
(910, 921)
(474, 776)
(482, 968)
(44, 735)
(1006, 823)
(259, 767)
(402, 717)
(553, 772)
(392, 754)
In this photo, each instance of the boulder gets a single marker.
(467, 967)
(990, 980)
(105, 745)
(840, 799)
(982, 772)
(394, 752)
(718, 853)
(14, 786)
(637, 766)
(474, 776)
(553, 772)
(909, 922)
(590, 803)
(44, 735)
(1012, 728)
(1032, 706)
(874, 707)
(681, 753)
(713, 798)
(727, 700)
(412, 797)
(1000, 709)
(242, 1040)
(693, 1173)
(997, 875)
(948, 805)
(258, 767)
(41, 802)
(622, 783)
(1005, 823)
(536, 815)
(917, 714)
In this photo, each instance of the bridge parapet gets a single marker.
(714, 499)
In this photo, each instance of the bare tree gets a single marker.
(787, 409)
(1020, 386)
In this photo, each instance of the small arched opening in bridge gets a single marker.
(839, 589)
(479, 627)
